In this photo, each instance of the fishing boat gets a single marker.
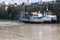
(37, 17)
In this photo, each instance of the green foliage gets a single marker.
(57, 0)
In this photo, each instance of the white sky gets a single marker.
(20, 1)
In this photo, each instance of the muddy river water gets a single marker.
(10, 30)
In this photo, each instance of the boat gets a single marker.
(37, 17)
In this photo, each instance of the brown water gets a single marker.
(30, 32)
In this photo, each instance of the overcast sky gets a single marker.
(20, 1)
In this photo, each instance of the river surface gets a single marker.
(14, 30)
